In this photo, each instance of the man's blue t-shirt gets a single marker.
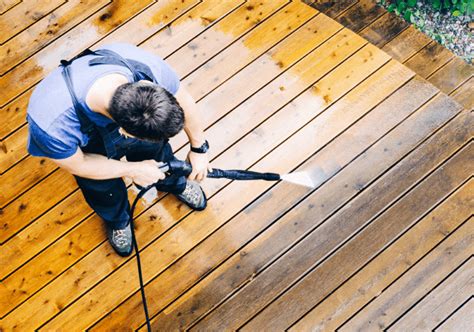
(54, 128)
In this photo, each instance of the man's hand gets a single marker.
(200, 164)
(145, 173)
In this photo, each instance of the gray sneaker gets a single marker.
(121, 240)
(193, 196)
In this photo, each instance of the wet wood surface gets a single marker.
(282, 87)
(404, 43)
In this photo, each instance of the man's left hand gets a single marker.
(200, 164)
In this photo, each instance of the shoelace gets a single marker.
(120, 237)
(191, 194)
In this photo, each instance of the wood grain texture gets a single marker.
(280, 86)
(392, 262)
(446, 297)
(413, 285)
(234, 312)
(460, 320)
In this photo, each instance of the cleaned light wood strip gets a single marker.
(6, 5)
(74, 41)
(29, 11)
(263, 37)
(390, 264)
(45, 30)
(187, 27)
(462, 320)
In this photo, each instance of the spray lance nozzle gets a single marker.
(183, 168)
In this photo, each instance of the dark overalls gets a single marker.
(108, 198)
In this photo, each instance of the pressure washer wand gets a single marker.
(180, 167)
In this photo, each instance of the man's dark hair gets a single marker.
(146, 111)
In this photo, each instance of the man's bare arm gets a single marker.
(195, 132)
(97, 167)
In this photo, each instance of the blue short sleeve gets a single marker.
(168, 78)
(41, 144)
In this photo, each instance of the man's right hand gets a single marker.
(145, 173)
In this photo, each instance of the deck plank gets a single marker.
(29, 11)
(429, 59)
(14, 114)
(348, 259)
(461, 320)
(45, 30)
(408, 43)
(389, 265)
(406, 291)
(360, 15)
(189, 26)
(331, 8)
(452, 75)
(429, 312)
(272, 280)
(384, 29)
(464, 95)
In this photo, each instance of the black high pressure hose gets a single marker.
(183, 168)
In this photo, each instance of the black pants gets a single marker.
(108, 198)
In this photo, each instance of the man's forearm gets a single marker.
(98, 167)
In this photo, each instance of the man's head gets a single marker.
(146, 111)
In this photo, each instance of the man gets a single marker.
(101, 106)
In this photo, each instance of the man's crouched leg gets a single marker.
(108, 198)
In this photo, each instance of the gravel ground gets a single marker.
(455, 33)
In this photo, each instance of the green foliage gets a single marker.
(406, 7)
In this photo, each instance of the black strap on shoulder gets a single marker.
(83, 53)
(87, 126)
(139, 70)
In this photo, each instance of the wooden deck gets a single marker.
(406, 44)
(385, 241)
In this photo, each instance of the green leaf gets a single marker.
(391, 8)
(437, 4)
(456, 13)
(411, 3)
(407, 16)
(401, 6)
